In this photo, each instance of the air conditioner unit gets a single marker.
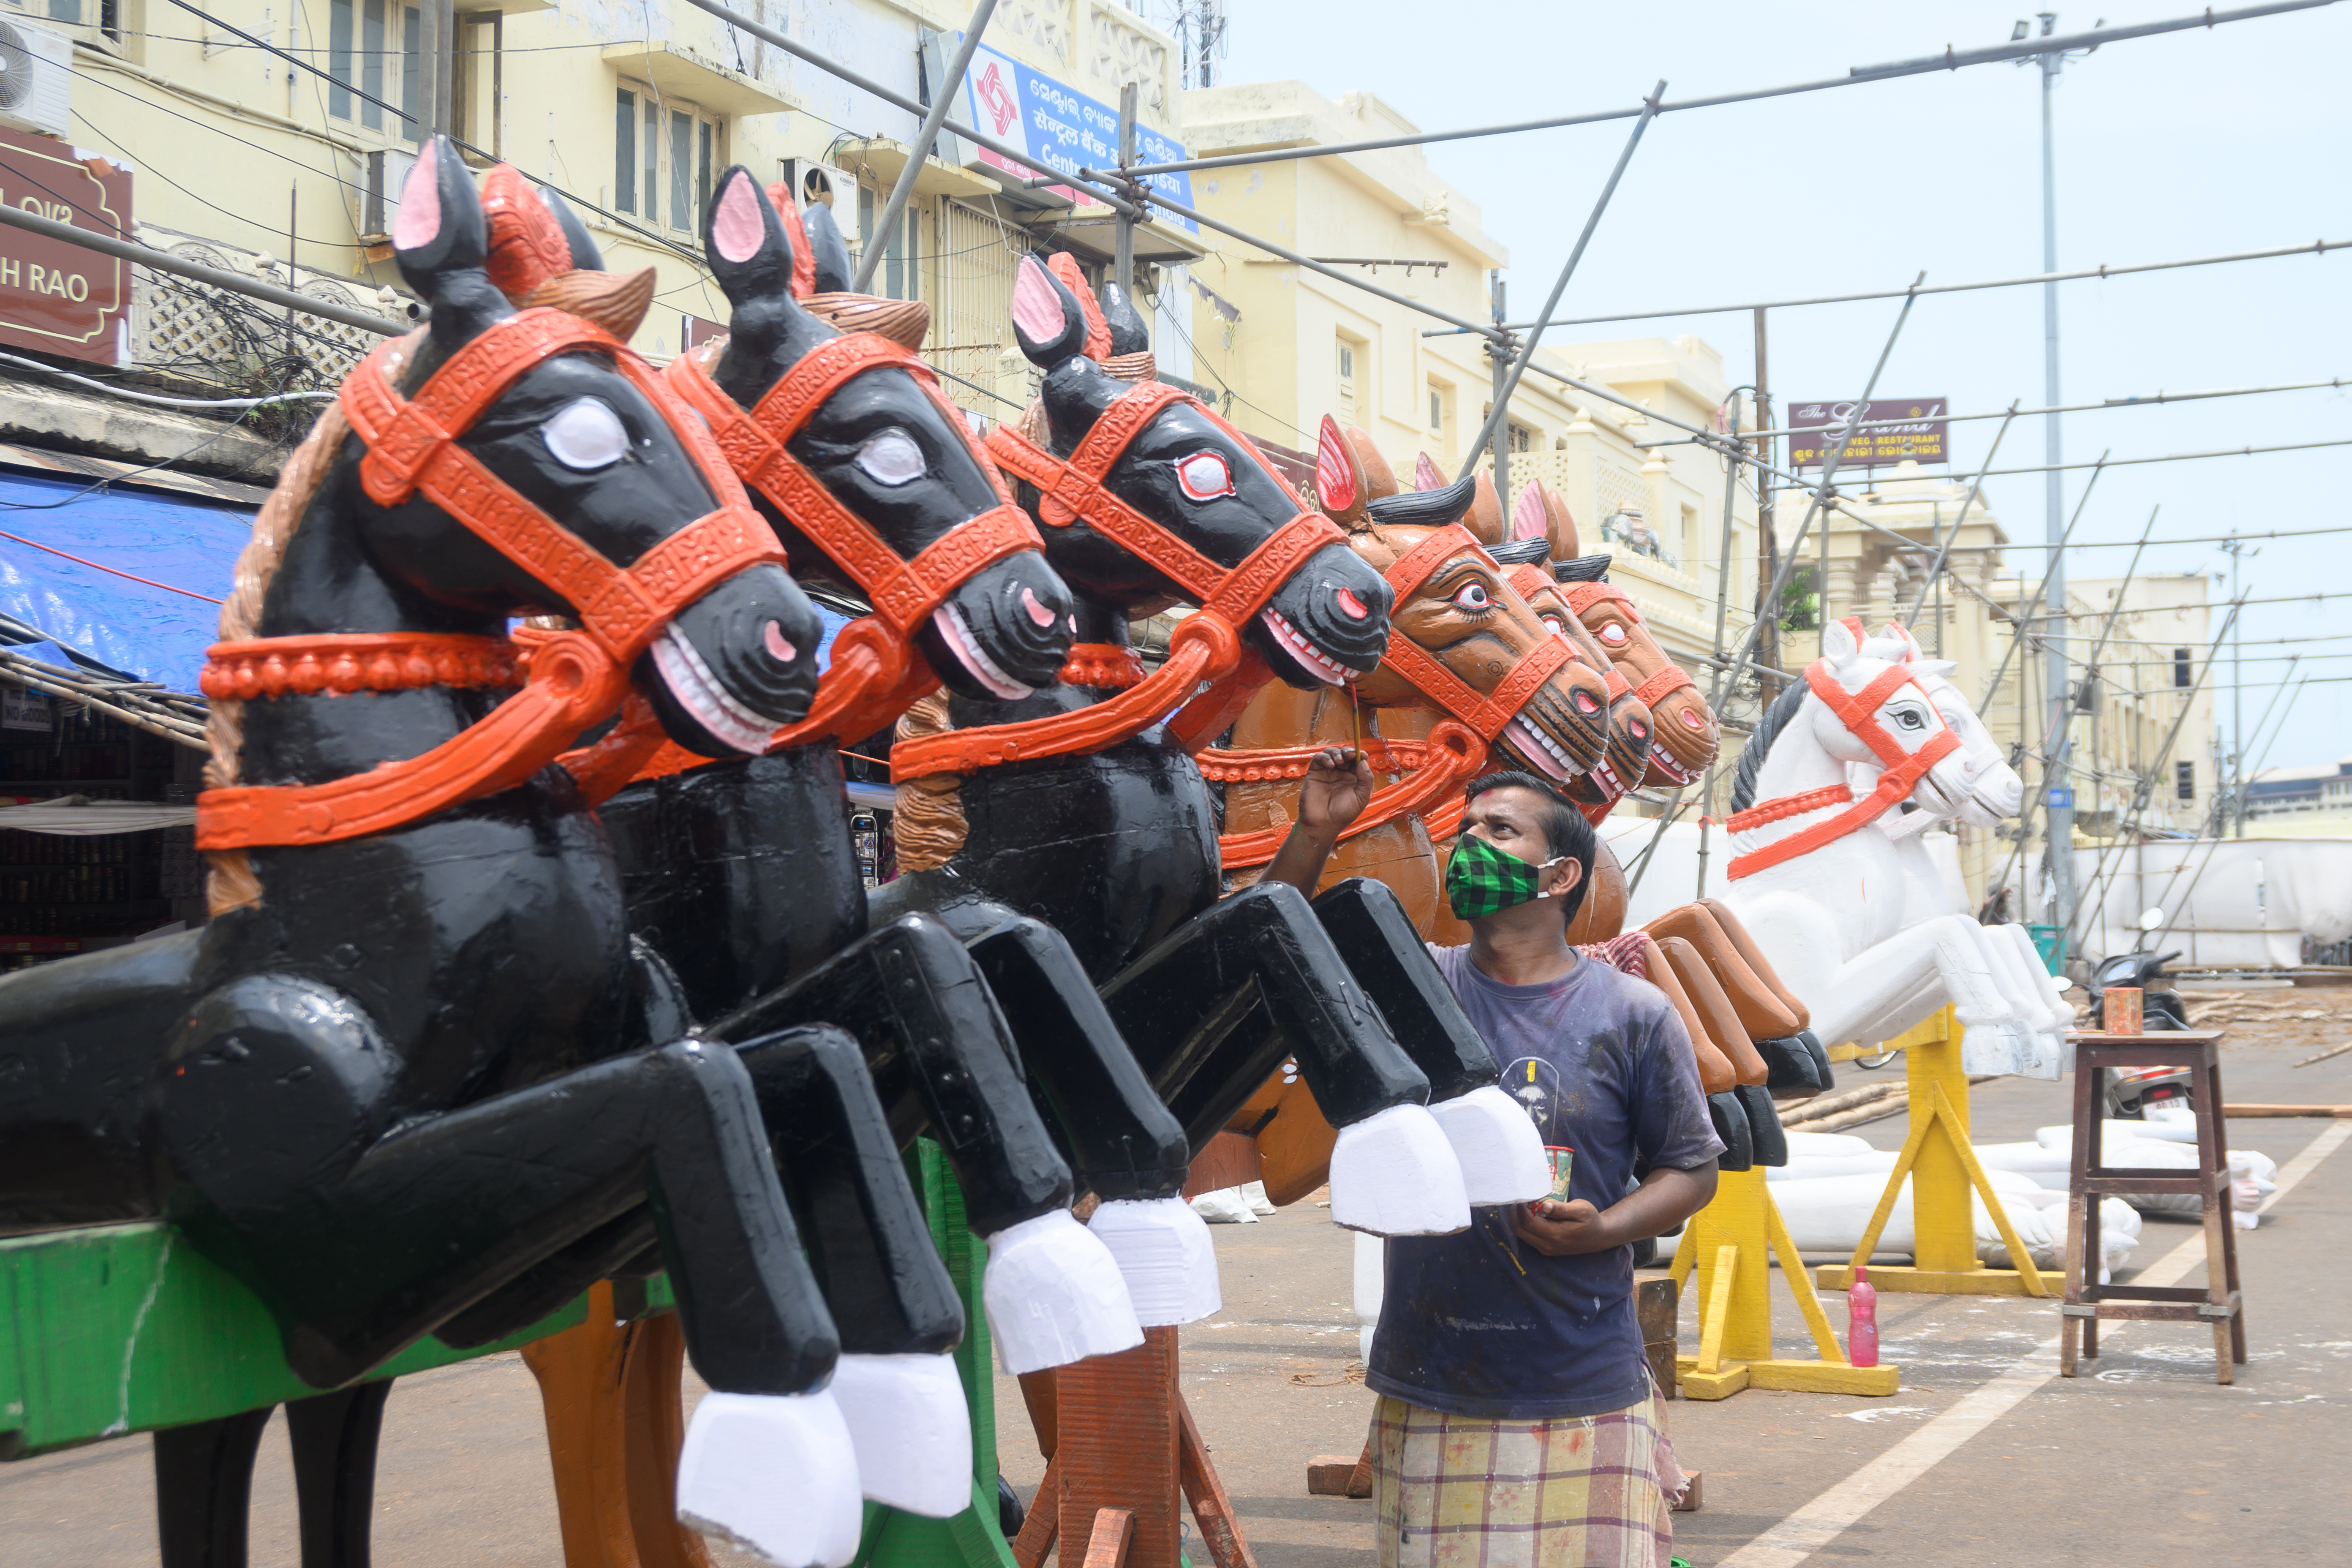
(36, 79)
(387, 173)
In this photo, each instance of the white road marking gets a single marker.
(1822, 1521)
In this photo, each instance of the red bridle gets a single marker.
(1206, 646)
(1858, 710)
(575, 678)
(1457, 748)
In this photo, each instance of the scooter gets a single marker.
(2133, 1093)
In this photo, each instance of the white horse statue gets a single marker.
(1836, 887)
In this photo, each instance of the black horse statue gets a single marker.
(413, 1070)
(742, 872)
(1077, 806)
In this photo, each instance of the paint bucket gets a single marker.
(2120, 1005)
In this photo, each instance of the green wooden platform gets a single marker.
(112, 1330)
(125, 1328)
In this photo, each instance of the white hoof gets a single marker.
(1054, 1295)
(1165, 1254)
(1993, 1048)
(1394, 1173)
(912, 1428)
(773, 1474)
(1502, 1154)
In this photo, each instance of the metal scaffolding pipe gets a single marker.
(2149, 400)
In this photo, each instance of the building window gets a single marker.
(1436, 412)
(1349, 351)
(1522, 439)
(2184, 780)
(663, 156)
(1690, 535)
(365, 28)
(2180, 668)
(477, 81)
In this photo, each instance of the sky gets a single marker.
(2196, 143)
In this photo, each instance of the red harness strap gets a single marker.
(1205, 645)
(1455, 753)
(574, 678)
(1858, 710)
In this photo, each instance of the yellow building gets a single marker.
(248, 160)
(1291, 345)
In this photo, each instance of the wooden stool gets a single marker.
(2087, 1302)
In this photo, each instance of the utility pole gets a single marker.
(2237, 552)
(2057, 795)
(1500, 357)
(1767, 616)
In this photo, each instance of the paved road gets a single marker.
(2142, 1460)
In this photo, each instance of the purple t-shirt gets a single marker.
(1478, 1323)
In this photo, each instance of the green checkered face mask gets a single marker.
(1481, 880)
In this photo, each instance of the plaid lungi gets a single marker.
(1456, 1491)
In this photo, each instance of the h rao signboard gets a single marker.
(55, 296)
(1061, 128)
(1913, 427)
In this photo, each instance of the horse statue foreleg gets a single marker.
(937, 1043)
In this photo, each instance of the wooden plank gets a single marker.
(1823, 1377)
(1228, 1160)
(1718, 1311)
(1106, 1548)
(1120, 1444)
(2334, 1110)
(1043, 1522)
(1328, 1475)
(1221, 1531)
(1956, 1131)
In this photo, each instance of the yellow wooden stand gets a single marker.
(1942, 1168)
(1731, 1243)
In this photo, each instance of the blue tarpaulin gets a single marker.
(150, 632)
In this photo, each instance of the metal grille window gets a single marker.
(360, 55)
(2184, 780)
(2180, 668)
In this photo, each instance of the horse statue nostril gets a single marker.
(1039, 615)
(1691, 720)
(771, 637)
(1584, 702)
(1350, 605)
(1638, 731)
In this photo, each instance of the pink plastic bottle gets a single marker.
(1861, 1319)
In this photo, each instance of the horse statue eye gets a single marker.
(1613, 634)
(892, 457)
(1909, 720)
(1558, 627)
(1204, 476)
(585, 434)
(1472, 597)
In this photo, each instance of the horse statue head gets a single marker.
(424, 508)
(1995, 791)
(1683, 737)
(868, 474)
(1541, 529)
(1851, 707)
(1191, 502)
(1466, 644)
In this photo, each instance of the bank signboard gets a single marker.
(1063, 129)
(56, 296)
(1915, 428)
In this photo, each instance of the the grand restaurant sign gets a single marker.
(55, 296)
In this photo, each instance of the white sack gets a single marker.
(1224, 1206)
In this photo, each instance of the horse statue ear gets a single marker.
(1048, 322)
(1340, 485)
(830, 251)
(1425, 476)
(1896, 630)
(1129, 334)
(1380, 480)
(753, 259)
(1839, 643)
(1564, 545)
(1485, 515)
(441, 242)
(1529, 518)
(585, 255)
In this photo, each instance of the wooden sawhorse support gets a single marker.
(1731, 1243)
(2090, 1178)
(1119, 1442)
(1942, 1169)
